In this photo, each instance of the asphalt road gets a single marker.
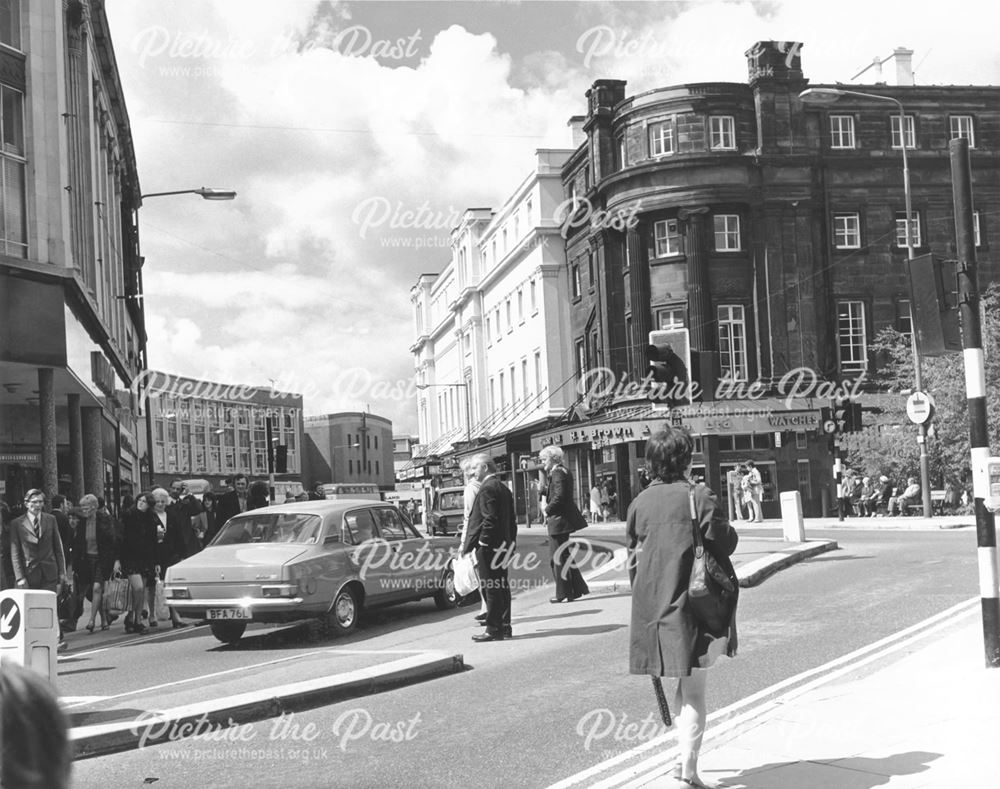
(537, 709)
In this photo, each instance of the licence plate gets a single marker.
(228, 613)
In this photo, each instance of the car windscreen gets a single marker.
(451, 501)
(291, 527)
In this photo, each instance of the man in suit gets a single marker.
(492, 534)
(36, 549)
(234, 501)
(562, 518)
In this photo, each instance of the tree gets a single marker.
(889, 445)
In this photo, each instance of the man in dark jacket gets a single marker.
(562, 518)
(234, 501)
(492, 534)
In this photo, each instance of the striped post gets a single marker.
(975, 387)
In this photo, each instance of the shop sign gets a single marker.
(102, 374)
(21, 458)
(128, 448)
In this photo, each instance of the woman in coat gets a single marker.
(562, 518)
(94, 555)
(138, 559)
(665, 640)
(170, 528)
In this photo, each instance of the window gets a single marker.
(489, 331)
(524, 380)
(513, 386)
(520, 305)
(581, 357)
(496, 320)
(13, 228)
(350, 466)
(528, 211)
(621, 152)
(846, 231)
(574, 277)
(851, 337)
(841, 131)
(359, 527)
(533, 295)
(493, 252)
(503, 393)
(911, 137)
(723, 133)
(376, 441)
(590, 269)
(661, 138)
(804, 478)
(538, 372)
(976, 238)
(670, 318)
(493, 395)
(901, 229)
(390, 524)
(504, 234)
(961, 127)
(10, 23)
(733, 342)
(801, 441)
(666, 238)
(727, 232)
(510, 322)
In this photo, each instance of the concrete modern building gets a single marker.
(72, 334)
(208, 430)
(492, 326)
(352, 446)
(772, 231)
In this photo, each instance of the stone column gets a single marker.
(47, 424)
(75, 447)
(93, 451)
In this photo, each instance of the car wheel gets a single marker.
(343, 615)
(228, 632)
(446, 597)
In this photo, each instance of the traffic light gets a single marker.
(846, 414)
(670, 363)
(281, 458)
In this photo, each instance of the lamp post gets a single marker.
(468, 406)
(206, 193)
(825, 96)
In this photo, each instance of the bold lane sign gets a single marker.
(10, 619)
(919, 407)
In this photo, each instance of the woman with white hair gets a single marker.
(562, 518)
(170, 526)
(95, 557)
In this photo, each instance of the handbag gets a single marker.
(160, 609)
(66, 604)
(466, 578)
(116, 594)
(711, 592)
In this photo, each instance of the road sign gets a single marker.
(10, 619)
(829, 426)
(919, 407)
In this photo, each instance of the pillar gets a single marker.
(75, 447)
(701, 319)
(639, 287)
(93, 451)
(47, 423)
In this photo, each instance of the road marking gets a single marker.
(836, 668)
(75, 701)
(69, 700)
(151, 636)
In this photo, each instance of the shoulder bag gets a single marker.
(711, 591)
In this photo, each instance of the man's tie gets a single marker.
(38, 529)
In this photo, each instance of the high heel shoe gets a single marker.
(105, 627)
(90, 628)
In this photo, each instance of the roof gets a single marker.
(324, 507)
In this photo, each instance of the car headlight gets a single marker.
(177, 592)
(281, 590)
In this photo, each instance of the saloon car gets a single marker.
(319, 560)
(449, 508)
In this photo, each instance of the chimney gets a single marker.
(904, 65)
(577, 136)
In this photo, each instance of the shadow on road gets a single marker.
(594, 630)
(857, 772)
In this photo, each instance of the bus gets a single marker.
(355, 490)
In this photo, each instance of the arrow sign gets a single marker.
(10, 619)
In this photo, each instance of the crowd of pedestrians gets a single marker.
(75, 550)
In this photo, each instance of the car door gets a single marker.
(370, 557)
(409, 554)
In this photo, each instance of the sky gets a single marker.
(336, 122)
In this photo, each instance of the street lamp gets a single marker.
(468, 407)
(824, 96)
(206, 192)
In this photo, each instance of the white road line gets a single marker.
(854, 659)
(67, 700)
(151, 636)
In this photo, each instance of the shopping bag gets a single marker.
(160, 610)
(466, 580)
(116, 593)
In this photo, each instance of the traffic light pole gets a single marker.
(270, 460)
(975, 387)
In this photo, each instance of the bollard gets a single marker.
(29, 630)
(792, 526)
